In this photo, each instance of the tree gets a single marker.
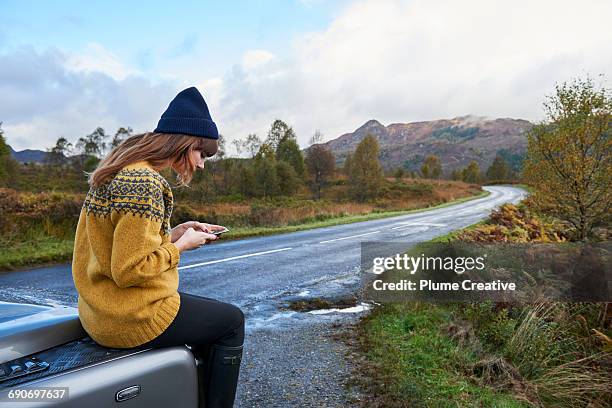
(264, 172)
(226, 167)
(216, 164)
(201, 188)
(57, 155)
(93, 144)
(456, 174)
(569, 156)
(288, 180)
(471, 174)
(346, 167)
(8, 165)
(279, 131)
(316, 138)
(425, 171)
(265, 152)
(231, 175)
(320, 163)
(265, 177)
(120, 135)
(90, 163)
(238, 145)
(499, 169)
(434, 164)
(289, 151)
(399, 174)
(366, 174)
(252, 144)
(247, 181)
(431, 167)
(220, 155)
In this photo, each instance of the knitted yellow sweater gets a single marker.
(124, 266)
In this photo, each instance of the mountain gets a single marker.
(28, 155)
(455, 141)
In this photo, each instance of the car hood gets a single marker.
(26, 328)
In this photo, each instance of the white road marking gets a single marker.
(411, 231)
(402, 226)
(352, 236)
(233, 257)
(418, 224)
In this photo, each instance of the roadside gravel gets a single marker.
(301, 366)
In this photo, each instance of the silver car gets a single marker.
(47, 360)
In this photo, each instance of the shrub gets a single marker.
(263, 215)
(53, 213)
(183, 213)
(494, 325)
(516, 224)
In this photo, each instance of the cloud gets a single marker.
(45, 96)
(256, 58)
(393, 60)
(95, 58)
(400, 61)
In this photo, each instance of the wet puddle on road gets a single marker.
(362, 307)
(320, 306)
(298, 309)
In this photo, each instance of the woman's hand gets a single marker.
(192, 239)
(180, 229)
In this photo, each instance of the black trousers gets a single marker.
(203, 321)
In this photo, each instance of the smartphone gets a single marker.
(219, 232)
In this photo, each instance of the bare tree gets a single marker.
(57, 155)
(252, 144)
(94, 143)
(121, 134)
(320, 163)
(317, 137)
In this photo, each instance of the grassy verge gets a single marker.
(411, 362)
(44, 250)
(543, 353)
(41, 251)
(479, 355)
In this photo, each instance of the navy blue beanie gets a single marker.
(188, 114)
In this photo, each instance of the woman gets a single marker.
(125, 254)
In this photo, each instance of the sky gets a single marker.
(67, 67)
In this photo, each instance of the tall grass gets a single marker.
(559, 367)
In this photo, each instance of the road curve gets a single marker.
(249, 271)
(289, 360)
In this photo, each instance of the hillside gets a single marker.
(28, 155)
(456, 141)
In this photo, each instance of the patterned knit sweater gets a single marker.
(124, 266)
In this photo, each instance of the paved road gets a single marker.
(289, 359)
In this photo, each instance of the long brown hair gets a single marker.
(158, 149)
